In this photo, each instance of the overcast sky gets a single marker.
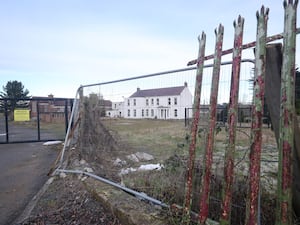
(53, 46)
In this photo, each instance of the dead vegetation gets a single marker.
(168, 142)
(68, 202)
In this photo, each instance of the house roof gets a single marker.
(106, 103)
(50, 100)
(170, 91)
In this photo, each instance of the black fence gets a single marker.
(244, 116)
(34, 119)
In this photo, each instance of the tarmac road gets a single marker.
(23, 171)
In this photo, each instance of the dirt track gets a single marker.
(24, 169)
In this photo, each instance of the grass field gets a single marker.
(164, 138)
(156, 137)
(168, 142)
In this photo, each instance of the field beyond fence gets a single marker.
(150, 156)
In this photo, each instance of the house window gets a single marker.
(175, 112)
(175, 101)
(142, 113)
(134, 101)
(152, 112)
(147, 101)
(169, 101)
(128, 113)
(147, 112)
(134, 112)
(157, 101)
(128, 102)
(152, 101)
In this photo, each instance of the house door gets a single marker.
(164, 113)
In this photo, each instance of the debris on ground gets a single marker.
(67, 201)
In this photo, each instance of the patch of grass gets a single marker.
(157, 137)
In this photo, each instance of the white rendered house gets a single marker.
(117, 110)
(160, 103)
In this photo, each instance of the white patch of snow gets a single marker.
(52, 143)
(62, 175)
(127, 170)
(82, 162)
(141, 168)
(150, 167)
(88, 169)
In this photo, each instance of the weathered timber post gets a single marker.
(194, 131)
(272, 93)
(208, 157)
(252, 216)
(232, 121)
(287, 114)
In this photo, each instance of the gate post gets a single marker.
(6, 120)
(287, 112)
(232, 121)
(194, 131)
(208, 154)
(252, 211)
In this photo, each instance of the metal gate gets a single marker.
(34, 119)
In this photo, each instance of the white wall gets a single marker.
(162, 111)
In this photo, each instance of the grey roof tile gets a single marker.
(170, 91)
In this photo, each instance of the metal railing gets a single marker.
(42, 114)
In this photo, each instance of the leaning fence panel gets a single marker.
(135, 134)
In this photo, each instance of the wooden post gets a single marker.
(232, 122)
(194, 131)
(208, 157)
(252, 216)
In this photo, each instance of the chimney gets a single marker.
(51, 96)
(185, 84)
(138, 89)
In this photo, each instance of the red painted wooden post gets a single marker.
(194, 131)
(287, 113)
(208, 157)
(232, 121)
(257, 113)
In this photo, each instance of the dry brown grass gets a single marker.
(157, 137)
(166, 140)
